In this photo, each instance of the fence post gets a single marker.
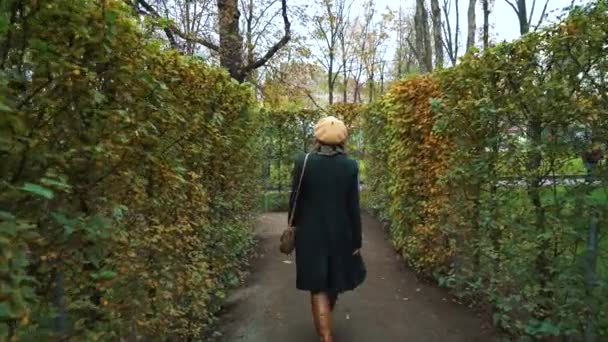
(58, 301)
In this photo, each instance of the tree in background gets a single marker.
(373, 56)
(359, 31)
(437, 33)
(329, 24)
(424, 51)
(471, 25)
(451, 40)
(486, 22)
(185, 19)
(288, 86)
(347, 49)
(405, 57)
(191, 18)
(520, 8)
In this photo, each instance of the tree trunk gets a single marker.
(357, 81)
(400, 44)
(371, 87)
(345, 83)
(230, 48)
(344, 78)
(249, 33)
(472, 25)
(486, 24)
(522, 13)
(438, 39)
(423, 46)
(420, 34)
(330, 78)
(428, 46)
(382, 67)
(399, 62)
(344, 54)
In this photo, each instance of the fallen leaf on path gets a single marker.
(418, 290)
(347, 316)
(405, 299)
(287, 262)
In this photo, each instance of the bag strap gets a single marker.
(295, 201)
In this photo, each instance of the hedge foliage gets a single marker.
(285, 133)
(415, 168)
(128, 176)
(350, 113)
(439, 148)
(289, 130)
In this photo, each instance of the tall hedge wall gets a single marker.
(468, 163)
(127, 178)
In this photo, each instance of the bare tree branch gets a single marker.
(532, 12)
(542, 16)
(276, 47)
(314, 102)
(323, 32)
(261, 32)
(337, 73)
(409, 42)
(449, 43)
(257, 20)
(152, 11)
(512, 6)
(176, 31)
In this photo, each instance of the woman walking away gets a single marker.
(324, 208)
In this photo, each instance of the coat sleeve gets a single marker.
(295, 179)
(355, 210)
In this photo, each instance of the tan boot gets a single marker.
(321, 313)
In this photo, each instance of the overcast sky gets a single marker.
(503, 19)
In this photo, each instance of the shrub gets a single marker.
(530, 248)
(285, 133)
(416, 195)
(127, 181)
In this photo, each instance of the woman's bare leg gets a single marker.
(321, 314)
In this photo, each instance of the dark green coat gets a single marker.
(328, 224)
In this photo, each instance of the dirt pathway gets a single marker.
(391, 306)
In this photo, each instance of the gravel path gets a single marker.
(391, 306)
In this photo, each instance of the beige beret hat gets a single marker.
(331, 131)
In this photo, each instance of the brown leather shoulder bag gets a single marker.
(288, 238)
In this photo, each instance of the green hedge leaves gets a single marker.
(128, 178)
(468, 166)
